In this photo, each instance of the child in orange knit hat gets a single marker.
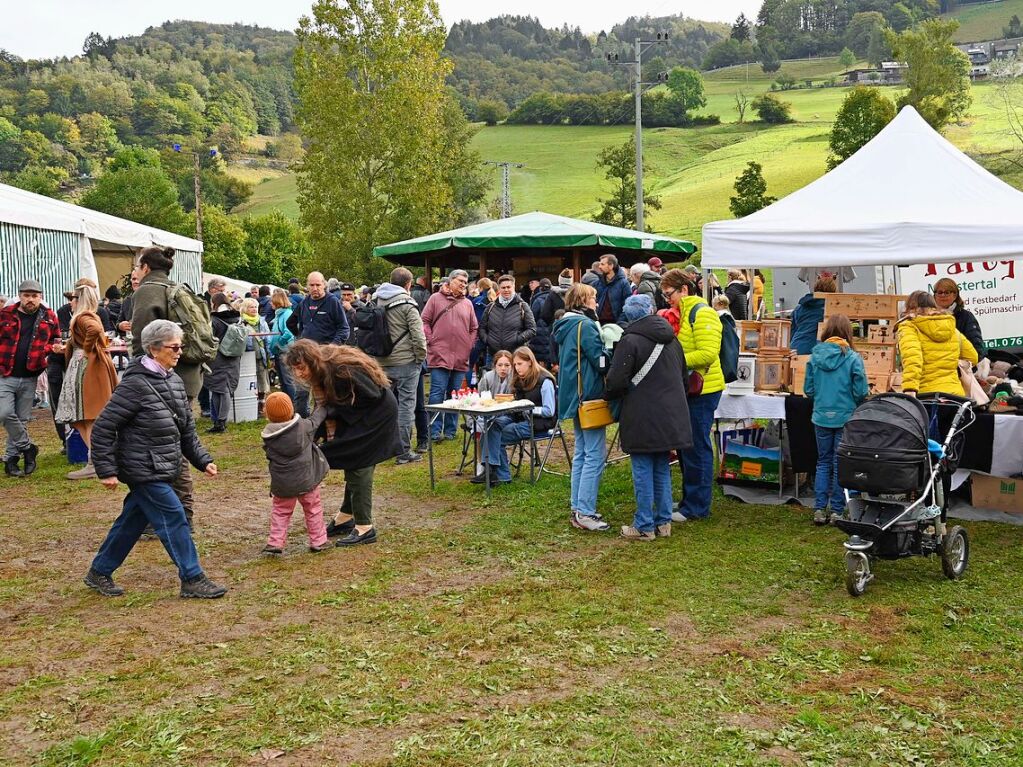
(297, 467)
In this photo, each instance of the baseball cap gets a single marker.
(655, 263)
(347, 286)
(30, 286)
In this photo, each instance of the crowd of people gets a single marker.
(355, 370)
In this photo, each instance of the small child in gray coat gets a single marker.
(297, 467)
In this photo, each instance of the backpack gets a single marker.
(235, 340)
(192, 314)
(373, 335)
(729, 355)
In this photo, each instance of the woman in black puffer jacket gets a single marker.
(139, 439)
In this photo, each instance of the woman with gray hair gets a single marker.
(139, 439)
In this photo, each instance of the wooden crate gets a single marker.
(797, 373)
(879, 383)
(877, 358)
(881, 334)
(862, 306)
(772, 372)
(749, 336)
(775, 334)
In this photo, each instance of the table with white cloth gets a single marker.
(746, 407)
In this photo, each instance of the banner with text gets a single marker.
(992, 290)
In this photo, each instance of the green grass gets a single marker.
(984, 21)
(494, 634)
(276, 194)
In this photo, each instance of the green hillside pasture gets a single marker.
(278, 193)
(985, 20)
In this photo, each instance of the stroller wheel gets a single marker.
(955, 553)
(857, 573)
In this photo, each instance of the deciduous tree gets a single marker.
(750, 192)
(619, 164)
(939, 73)
(686, 86)
(864, 112)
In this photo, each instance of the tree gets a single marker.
(846, 58)
(686, 86)
(900, 17)
(769, 60)
(275, 249)
(619, 163)
(373, 170)
(772, 109)
(741, 28)
(750, 192)
(859, 30)
(491, 111)
(223, 242)
(142, 194)
(939, 73)
(741, 104)
(464, 171)
(1015, 28)
(864, 112)
(653, 69)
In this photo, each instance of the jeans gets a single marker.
(154, 503)
(421, 418)
(587, 467)
(651, 481)
(826, 485)
(358, 500)
(284, 377)
(404, 380)
(280, 518)
(442, 383)
(697, 462)
(16, 395)
(501, 432)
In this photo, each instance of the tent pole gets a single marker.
(749, 293)
(483, 263)
(577, 262)
(427, 271)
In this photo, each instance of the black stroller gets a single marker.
(896, 480)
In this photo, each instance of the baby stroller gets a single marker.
(896, 480)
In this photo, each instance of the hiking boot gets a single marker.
(104, 584)
(820, 517)
(271, 551)
(630, 533)
(11, 468)
(354, 538)
(409, 457)
(218, 427)
(201, 587)
(585, 522)
(86, 472)
(30, 453)
(663, 531)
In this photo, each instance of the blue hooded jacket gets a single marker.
(805, 319)
(615, 292)
(836, 381)
(565, 333)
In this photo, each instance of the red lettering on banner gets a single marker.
(968, 268)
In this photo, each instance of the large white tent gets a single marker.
(56, 242)
(907, 197)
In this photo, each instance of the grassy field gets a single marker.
(985, 21)
(494, 634)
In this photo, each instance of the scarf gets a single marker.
(150, 364)
(252, 319)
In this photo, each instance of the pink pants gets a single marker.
(280, 517)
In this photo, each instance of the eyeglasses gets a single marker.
(176, 348)
(944, 292)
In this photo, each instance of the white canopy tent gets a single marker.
(57, 242)
(907, 197)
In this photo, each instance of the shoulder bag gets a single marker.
(594, 413)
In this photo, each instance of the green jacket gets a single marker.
(701, 342)
(149, 302)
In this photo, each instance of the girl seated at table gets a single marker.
(499, 379)
(529, 382)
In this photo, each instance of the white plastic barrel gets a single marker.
(245, 403)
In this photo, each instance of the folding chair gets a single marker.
(548, 438)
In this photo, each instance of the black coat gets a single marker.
(541, 342)
(145, 428)
(738, 293)
(366, 432)
(967, 324)
(655, 415)
(507, 327)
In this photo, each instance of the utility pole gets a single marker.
(506, 207)
(662, 77)
(197, 187)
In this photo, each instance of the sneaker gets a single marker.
(836, 516)
(334, 529)
(104, 584)
(663, 531)
(630, 533)
(678, 516)
(586, 522)
(31, 453)
(423, 447)
(272, 551)
(86, 472)
(820, 517)
(201, 587)
(436, 439)
(204, 413)
(11, 467)
(354, 538)
(410, 457)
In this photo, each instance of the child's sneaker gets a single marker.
(584, 522)
(271, 551)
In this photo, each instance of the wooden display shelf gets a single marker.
(862, 306)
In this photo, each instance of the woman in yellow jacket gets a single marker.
(699, 333)
(931, 347)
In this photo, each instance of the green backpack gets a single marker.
(192, 313)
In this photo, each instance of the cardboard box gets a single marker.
(998, 493)
(862, 306)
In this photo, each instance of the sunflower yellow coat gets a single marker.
(930, 348)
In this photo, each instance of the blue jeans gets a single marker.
(153, 503)
(442, 383)
(651, 481)
(697, 462)
(587, 467)
(500, 433)
(826, 486)
(284, 377)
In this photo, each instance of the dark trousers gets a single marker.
(422, 422)
(358, 501)
(204, 399)
(55, 379)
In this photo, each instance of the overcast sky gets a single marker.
(48, 28)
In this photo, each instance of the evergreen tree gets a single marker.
(741, 28)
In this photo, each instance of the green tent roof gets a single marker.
(537, 230)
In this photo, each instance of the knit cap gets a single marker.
(278, 407)
(637, 306)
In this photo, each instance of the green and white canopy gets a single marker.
(536, 231)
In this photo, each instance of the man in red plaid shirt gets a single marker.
(28, 330)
